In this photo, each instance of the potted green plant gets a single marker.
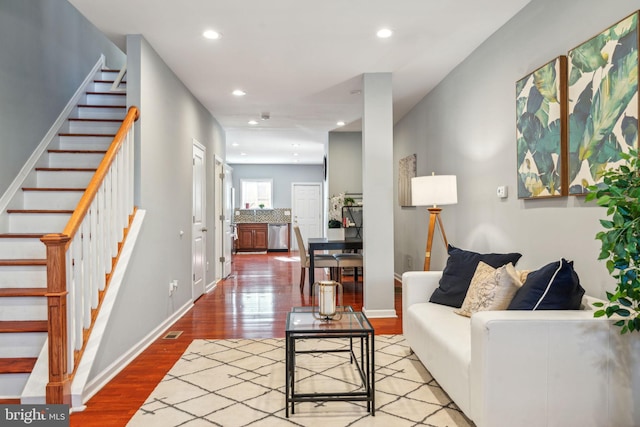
(620, 194)
(349, 201)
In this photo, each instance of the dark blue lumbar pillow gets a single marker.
(460, 268)
(555, 286)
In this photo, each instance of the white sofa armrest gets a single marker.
(417, 287)
(543, 368)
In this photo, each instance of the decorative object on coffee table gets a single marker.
(328, 300)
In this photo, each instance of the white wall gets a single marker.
(170, 118)
(47, 50)
(282, 175)
(466, 127)
(344, 162)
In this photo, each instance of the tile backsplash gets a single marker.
(269, 216)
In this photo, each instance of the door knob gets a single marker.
(205, 229)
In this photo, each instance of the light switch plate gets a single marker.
(502, 192)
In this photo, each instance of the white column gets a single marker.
(377, 194)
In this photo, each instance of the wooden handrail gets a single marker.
(92, 189)
(60, 264)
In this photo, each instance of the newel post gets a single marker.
(59, 386)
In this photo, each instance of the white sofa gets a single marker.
(525, 368)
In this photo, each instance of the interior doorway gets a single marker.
(307, 210)
(199, 224)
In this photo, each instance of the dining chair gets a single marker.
(347, 260)
(319, 261)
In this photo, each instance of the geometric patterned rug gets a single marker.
(237, 383)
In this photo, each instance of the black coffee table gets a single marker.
(301, 324)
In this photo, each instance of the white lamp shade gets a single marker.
(433, 190)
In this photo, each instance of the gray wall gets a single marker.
(48, 49)
(282, 175)
(344, 163)
(466, 127)
(170, 118)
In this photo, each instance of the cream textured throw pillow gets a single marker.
(490, 289)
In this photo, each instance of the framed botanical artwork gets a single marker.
(541, 131)
(406, 171)
(603, 102)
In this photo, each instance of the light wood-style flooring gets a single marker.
(251, 303)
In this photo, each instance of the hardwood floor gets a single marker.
(251, 303)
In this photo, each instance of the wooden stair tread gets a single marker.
(101, 106)
(21, 235)
(40, 211)
(22, 262)
(101, 135)
(106, 93)
(78, 119)
(23, 292)
(78, 151)
(66, 169)
(11, 326)
(17, 365)
(52, 189)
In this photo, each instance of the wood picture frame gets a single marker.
(541, 131)
(603, 102)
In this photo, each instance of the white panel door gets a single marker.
(218, 214)
(227, 244)
(199, 226)
(307, 210)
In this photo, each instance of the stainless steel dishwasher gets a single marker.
(278, 237)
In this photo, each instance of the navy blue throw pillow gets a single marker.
(460, 268)
(555, 286)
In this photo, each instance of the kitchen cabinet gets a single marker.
(252, 237)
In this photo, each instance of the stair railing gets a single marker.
(81, 257)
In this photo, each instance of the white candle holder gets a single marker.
(328, 300)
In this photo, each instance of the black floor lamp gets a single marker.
(434, 190)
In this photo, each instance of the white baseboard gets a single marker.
(50, 135)
(373, 314)
(116, 367)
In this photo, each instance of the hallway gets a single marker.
(251, 303)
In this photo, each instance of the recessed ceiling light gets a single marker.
(340, 123)
(295, 154)
(384, 33)
(235, 144)
(243, 154)
(253, 122)
(239, 92)
(211, 35)
(295, 160)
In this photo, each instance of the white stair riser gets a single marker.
(101, 113)
(52, 199)
(106, 87)
(11, 385)
(22, 249)
(27, 344)
(74, 160)
(110, 99)
(63, 179)
(85, 142)
(23, 308)
(23, 276)
(38, 223)
(94, 127)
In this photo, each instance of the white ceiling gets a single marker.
(300, 61)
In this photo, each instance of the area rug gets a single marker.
(235, 383)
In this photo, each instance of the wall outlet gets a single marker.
(173, 286)
(287, 213)
(502, 192)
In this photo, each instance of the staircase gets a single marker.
(44, 205)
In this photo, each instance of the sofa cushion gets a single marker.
(490, 289)
(459, 271)
(555, 286)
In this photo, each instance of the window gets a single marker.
(256, 193)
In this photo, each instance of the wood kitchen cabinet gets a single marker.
(252, 237)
